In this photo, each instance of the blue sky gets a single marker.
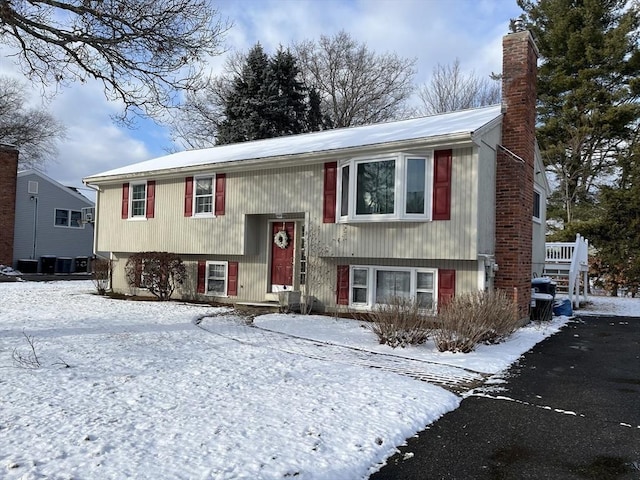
(432, 31)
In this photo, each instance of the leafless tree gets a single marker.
(143, 51)
(195, 123)
(450, 89)
(356, 85)
(30, 128)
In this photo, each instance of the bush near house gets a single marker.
(400, 323)
(473, 318)
(101, 275)
(158, 272)
(466, 321)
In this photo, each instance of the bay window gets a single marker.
(393, 187)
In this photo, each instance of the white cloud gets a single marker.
(432, 31)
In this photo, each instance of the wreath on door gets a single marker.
(281, 239)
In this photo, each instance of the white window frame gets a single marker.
(537, 219)
(400, 189)
(69, 212)
(226, 279)
(195, 196)
(131, 200)
(371, 284)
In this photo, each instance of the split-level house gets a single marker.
(425, 208)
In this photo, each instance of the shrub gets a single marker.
(473, 318)
(101, 274)
(158, 272)
(400, 322)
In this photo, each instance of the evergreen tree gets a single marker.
(587, 91)
(246, 106)
(315, 119)
(616, 231)
(268, 99)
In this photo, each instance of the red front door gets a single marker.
(282, 256)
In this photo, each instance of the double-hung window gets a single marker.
(216, 278)
(203, 195)
(372, 285)
(395, 187)
(68, 218)
(138, 200)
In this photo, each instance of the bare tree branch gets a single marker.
(143, 51)
(32, 129)
(357, 86)
(449, 89)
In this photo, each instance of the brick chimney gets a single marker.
(515, 169)
(8, 178)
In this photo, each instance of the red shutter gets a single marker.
(330, 192)
(188, 196)
(342, 285)
(446, 286)
(221, 184)
(232, 279)
(151, 198)
(202, 272)
(442, 185)
(125, 200)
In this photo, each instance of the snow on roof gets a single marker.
(460, 122)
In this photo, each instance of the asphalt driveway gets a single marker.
(569, 409)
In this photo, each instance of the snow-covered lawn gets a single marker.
(176, 391)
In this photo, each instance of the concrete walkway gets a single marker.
(570, 409)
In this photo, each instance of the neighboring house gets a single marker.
(424, 208)
(50, 230)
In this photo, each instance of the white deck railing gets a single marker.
(575, 256)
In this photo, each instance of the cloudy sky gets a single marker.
(432, 31)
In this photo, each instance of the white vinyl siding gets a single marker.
(252, 196)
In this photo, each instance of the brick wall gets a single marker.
(8, 177)
(515, 169)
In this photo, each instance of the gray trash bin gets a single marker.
(541, 307)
